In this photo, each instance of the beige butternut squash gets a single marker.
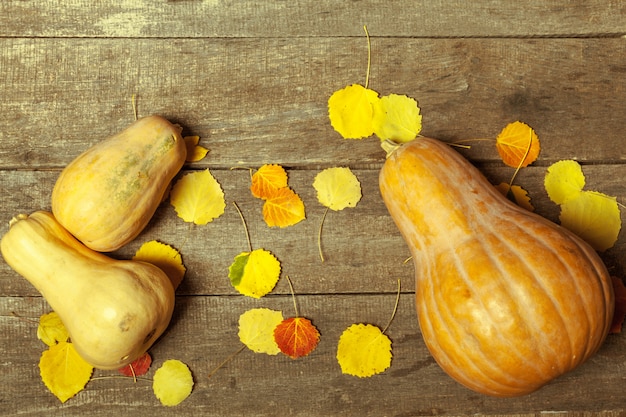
(114, 310)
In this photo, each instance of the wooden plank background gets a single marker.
(252, 80)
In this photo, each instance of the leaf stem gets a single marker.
(245, 227)
(293, 295)
(369, 56)
(519, 166)
(395, 308)
(319, 235)
(134, 103)
(135, 378)
(225, 361)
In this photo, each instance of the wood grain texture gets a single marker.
(239, 95)
(252, 79)
(310, 18)
(261, 385)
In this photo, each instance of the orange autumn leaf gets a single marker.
(513, 145)
(620, 305)
(267, 180)
(283, 208)
(296, 337)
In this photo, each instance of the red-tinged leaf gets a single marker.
(620, 305)
(138, 367)
(296, 337)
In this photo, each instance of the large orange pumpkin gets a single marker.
(506, 300)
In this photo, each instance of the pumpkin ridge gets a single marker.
(547, 353)
(469, 360)
(590, 347)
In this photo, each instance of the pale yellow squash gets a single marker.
(114, 310)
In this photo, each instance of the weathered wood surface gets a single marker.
(252, 79)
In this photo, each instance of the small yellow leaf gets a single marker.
(283, 208)
(593, 216)
(51, 329)
(63, 371)
(165, 257)
(172, 382)
(397, 118)
(513, 144)
(195, 152)
(564, 180)
(255, 273)
(337, 188)
(267, 180)
(351, 111)
(363, 350)
(516, 194)
(197, 197)
(256, 330)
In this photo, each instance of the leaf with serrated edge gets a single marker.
(267, 180)
(296, 337)
(283, 208)
(172, 382)
(513, 145)
(51, 329)
(363, 350)
(197, 197)
(63, 371)
(256, 330)
(337, 188)
(351, 111)
(163, 256)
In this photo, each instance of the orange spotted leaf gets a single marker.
(296, 337)
(518, 145)
(620, 305)
(267, 180)
(138, 367)
(283, 208)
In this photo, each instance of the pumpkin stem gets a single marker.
(389, 146)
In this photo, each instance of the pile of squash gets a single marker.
(114, 310)
(507, 300)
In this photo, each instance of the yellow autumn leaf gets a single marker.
(593, 216)
(255, 273)
(516, 194)
(351, 111)
(63, 371)
(172, 382)
(363, 350)
(256, 330)
(564, 180)
(51, 329)
(337, 188)
(195, 152)
(165, 257)
(283, 208)
(397, 118)
(197, 197)
(518, 145)
(267, 180)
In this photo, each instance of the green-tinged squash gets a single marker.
(108, 194)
